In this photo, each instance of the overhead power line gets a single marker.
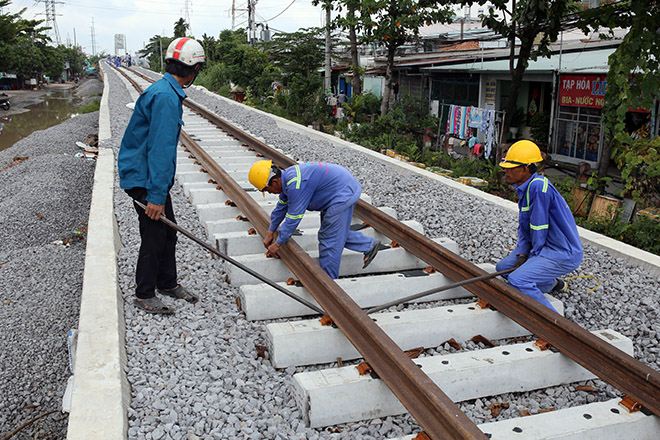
(290, 4)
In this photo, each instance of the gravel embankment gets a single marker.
(196, 375)
(44, 206)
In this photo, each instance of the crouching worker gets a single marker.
(548, 242)
(314, 186)
(147, 163)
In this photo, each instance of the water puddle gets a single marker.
(56, 107)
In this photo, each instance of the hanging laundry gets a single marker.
(476, 117)
(450, 119)
(465, 131)
(490, 131)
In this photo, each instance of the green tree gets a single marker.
(352, 23)
(525, 20)
(52, 63)
(396, 22)
(220, 56)
(74, 57)
(249, 67)
(23, 49)
(297, 52)
(180, 28)
(228, 41)
(155, 51)
(633, 82)
(209, 44)
(8, 22)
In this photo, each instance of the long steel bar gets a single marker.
(241, 266)
(433, 410)
(428, 292)
(612, 365)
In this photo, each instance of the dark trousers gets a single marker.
(156, 265)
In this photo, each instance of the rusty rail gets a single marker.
(612, 365)
(430, 407)
(433, 410)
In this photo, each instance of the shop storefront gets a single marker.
(578, 134)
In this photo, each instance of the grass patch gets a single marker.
(91, 107)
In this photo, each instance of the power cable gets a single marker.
(110, 8)
(290, 4)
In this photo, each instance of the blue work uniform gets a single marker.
(330, 189)
(547, 234)
(146, 165)
(147, 157)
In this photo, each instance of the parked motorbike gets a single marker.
(4, 101)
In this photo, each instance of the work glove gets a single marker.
(519, 261)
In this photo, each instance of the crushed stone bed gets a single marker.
(196, 375)
(44, 203)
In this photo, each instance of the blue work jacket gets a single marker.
(147, 157)
(546, 226)
(314, 186)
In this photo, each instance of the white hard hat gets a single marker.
(186, 51)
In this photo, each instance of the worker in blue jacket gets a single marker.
(146, 165)
(548, 242)
(314, 186)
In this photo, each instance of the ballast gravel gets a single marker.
(196, 375)
(45, 193)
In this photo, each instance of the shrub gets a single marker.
(213, 77)
(91, 107)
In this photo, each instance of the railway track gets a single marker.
(377, 338)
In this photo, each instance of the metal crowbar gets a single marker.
(241, 266)
(396, 302)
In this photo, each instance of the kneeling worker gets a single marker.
(548, 242)
(316, 186)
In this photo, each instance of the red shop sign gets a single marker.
(582, 90)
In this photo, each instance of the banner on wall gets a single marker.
(582, 90)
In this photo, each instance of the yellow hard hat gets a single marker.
(260, 173)
(522, 153)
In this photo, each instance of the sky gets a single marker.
(140, 20)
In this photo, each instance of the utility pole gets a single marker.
(51, 21)
(187, 10)
(233, 14)
(327, 84)
(252, 25)
(93, 39)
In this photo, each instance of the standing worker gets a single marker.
(147, 164)
(314, 186)
(548, 242)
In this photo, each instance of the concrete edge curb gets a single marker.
(638, 257)
(101, 393)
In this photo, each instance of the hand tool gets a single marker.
(396, 302)
(235, 263)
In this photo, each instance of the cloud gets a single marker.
(140, 20)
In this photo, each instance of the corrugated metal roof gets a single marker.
(587, 61)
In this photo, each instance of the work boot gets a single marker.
(559, 287)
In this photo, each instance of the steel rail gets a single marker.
(433, 410)
(621, 370)
(629, 375)
(436, 413)
(612, 365)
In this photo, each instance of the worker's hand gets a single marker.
(268, 240)
(274, 249)
(154, 211)
(520, 261)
